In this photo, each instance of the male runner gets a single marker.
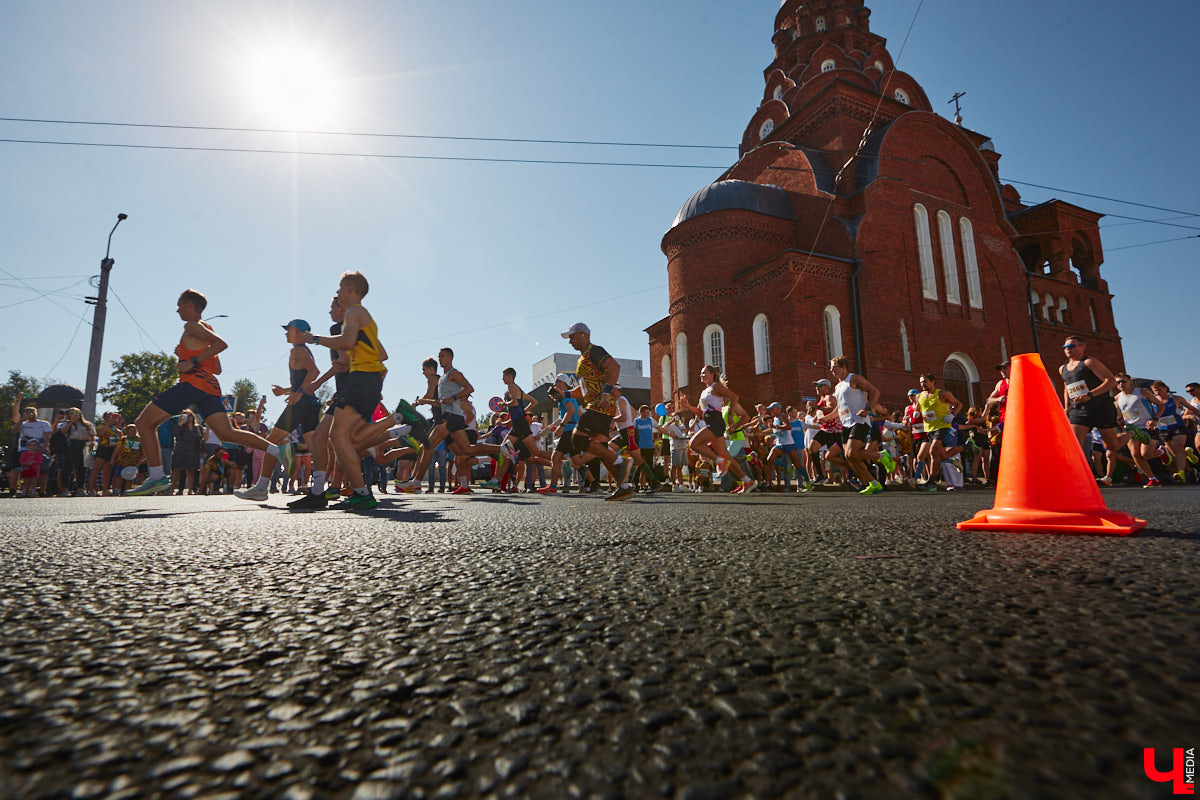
(938, 408)
(518, 403)
(856, 399)
(324, 462)
(830, 435)
(599, 374)
(362, 389)
(198, 388)
(1137, 407)
(303, 409)
(1087, 384)
(568, 418)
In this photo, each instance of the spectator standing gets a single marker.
(31, 429)
(185, 456)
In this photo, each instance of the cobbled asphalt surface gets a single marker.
(675, 646)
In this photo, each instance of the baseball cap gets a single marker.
(578, 327)
(299, 325)
(565, 379)
(822, 382)
(1005, 365)
(775, 405)
(911, 392)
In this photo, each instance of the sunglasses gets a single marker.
(1070, 346)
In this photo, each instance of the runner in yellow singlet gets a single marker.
(937, 407)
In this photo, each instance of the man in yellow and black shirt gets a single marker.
(598, 374)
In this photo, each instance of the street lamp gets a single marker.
(101, 303)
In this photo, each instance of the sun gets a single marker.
(293, 85)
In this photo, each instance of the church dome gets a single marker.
(763, 198)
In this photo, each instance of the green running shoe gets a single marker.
(1140, 435)
(410, 415)
(359, 502)
(872, 488)
(888, 462)
(150, 487)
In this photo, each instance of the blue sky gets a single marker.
(495, 259)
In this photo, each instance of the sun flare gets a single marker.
(293, 85)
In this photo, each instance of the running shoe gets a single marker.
(622, 493)
(889, 463)
(253, 493)
(332, 494)
(1140, 435)
(1105, 481)
(807, 487)
(286, 457)
(663, 487)
(509, 451)
(406, 414)
(310, 502)
(491, 484)
(737, 489)
(358, 502)
(1191, 456)
(1179, 477)
(548, 490)
(461, 490)
(1151, 483)
(400, 432)
(155, 486)
(872, 488)
(408, 487)
(748, 487)
(679, 487)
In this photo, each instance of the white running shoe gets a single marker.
(253, 493)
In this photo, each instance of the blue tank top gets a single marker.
(563, 405)
(645, 432)
(517, 409)
(1170, 417)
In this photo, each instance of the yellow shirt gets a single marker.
(364, 355)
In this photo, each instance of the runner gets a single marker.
(568, 418)
(303, 410)
(198, 388)
(830, 434)
(856, 399)
(354, 405)
(518, 404)
(599, 376)
(464, 462)
(1137, 407)
(644, 428)
(324, 461)
(938, 408)
(710, 441)
(779, 422)
(1193, 413)
(998, 399)
(1171, 428)
(1086, 399)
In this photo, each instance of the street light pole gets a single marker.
(101, 303)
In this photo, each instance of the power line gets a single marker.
(1147, 244)
(78, 325)
(135, 322)
(1102, 197)
(41, 294)
(405, 156)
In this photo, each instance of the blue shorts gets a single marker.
(788, 448)
(184, 395)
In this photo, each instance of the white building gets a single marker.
(545, 370)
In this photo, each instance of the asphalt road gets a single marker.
(677, 646)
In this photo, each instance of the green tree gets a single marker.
(18, 387)
(245, 394)
(137, 378)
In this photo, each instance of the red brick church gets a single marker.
(858, 222)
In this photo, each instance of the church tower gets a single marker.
(858, 222)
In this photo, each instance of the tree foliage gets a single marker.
(18, 387)
(246, 394)
(137, 378)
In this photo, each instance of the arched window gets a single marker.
(827, 65)
(960, 376)
(879, 66)
(681, 373)
(1063, 312)
(904, 347)
(1048, 307)
(777, 94)
(766, 129)
(833, 333)
(902, 96)
(1033, 301)
(970, 263)
(1092, 314)
(666, 378)
(762, 345)
(820, 24)
(925, 253)
(714, 347)
(949, 262)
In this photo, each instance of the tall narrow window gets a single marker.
(1092, 314)
(1048, 308)
(970, 263)
(1003, 350)
(714, 347)
(1063, 313)
(681, 372)
(666, 379)
(949, 262)
(925, 253)
(762, 345)
(820, 24)
(904, 347)
(833, 332)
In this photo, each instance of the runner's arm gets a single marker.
(345, 340)
(215, 344)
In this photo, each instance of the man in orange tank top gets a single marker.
(198, 388)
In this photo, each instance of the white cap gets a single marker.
(578, 327)
(565, 379)
(823, 382)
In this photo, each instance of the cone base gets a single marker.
(1103, 522)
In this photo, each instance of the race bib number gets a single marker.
(1167, 421)
(918, 427)
(1131, 416)
(1076, 389)
(930, 416)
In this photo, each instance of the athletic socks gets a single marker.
(273, 450)
(262, 483)
(155, 473)
(318, 482)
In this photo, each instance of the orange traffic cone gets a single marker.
(1045, 484)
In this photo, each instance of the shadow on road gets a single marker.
(118, 516)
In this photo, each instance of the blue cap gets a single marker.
(911, 392)
(299, 325)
